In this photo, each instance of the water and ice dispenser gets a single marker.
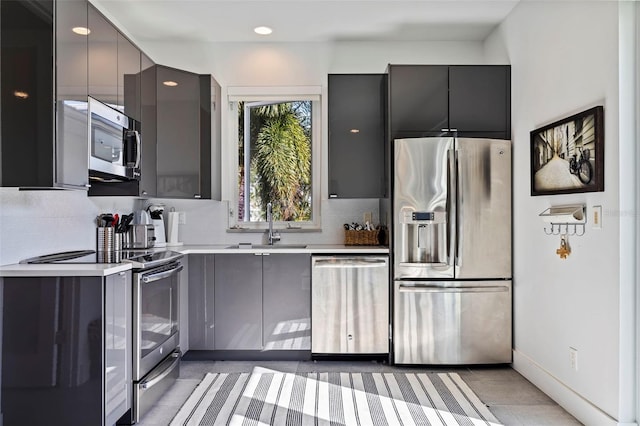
(423, 238)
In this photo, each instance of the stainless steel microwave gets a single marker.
(114, 143)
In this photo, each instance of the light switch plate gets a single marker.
(596, 217)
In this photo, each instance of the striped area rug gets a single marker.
(267, 397)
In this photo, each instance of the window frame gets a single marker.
(274, 94)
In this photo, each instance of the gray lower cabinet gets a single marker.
(238, 302)
(201, 302)
(286, 288)
(254, 302)
(66, 349)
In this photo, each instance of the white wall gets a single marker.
(33, 223)
(564, 59)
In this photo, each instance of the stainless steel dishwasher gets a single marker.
(350, 304)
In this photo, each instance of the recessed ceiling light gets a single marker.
(355, 130)
(81, 30)
(20, 94)
(263, 30)
(170, 83)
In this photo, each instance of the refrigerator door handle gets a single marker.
(438, 289)
(451, 207)
(457, 211)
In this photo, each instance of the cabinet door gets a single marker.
(128, 78)
(178, 133)
(148, 129)
(27, 93)
(117, 346)
(216, 140)
(72, 149)
(103, 58)
(52, 353)
(418, 100)
(238, 302)
(479, 100)
(286, 290)
(356, 135)
(201, 302)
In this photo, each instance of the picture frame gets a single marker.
(567, 156)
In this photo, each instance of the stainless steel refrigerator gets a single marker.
(452, 251)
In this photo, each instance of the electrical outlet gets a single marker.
(573, 358)
(596, 217)
(182, 218)
(366, 217)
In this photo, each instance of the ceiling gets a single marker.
(307, 20)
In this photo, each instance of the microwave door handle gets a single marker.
(138, 149)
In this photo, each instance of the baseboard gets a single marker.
(567, 398)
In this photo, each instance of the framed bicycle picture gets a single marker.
(567, 156)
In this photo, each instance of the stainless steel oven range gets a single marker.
(156, 354)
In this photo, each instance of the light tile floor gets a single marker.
(510, 397)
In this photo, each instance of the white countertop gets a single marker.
(104, 269)
(310, 248)
(63, 269)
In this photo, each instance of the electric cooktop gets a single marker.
(141, 259)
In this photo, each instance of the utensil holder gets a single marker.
(118, 239)
(106, 239)
(109, 257)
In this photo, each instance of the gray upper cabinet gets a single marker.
(128, 88)
(71, 94)
(114, 66)
(184, 133)
(238, 302)
(148, 126)
(356, 108)
(43, 140)
(480, 100)
(418, 100)
(286, 289)
(26, 143)
(471, 100)
(103, 58)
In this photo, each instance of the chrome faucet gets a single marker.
(273, 236)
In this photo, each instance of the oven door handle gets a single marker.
(174, 363)
(161, 275)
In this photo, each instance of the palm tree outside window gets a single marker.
(275, 148)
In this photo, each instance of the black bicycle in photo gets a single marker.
(581, 166)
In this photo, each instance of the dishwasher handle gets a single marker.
(439, 289)
(350, 262)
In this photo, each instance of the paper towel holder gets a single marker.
(173, 223)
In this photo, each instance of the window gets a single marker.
(277, 138)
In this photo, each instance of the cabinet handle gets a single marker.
(198, 196)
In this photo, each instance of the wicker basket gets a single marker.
(361, 238)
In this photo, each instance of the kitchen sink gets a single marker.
(266, 246)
